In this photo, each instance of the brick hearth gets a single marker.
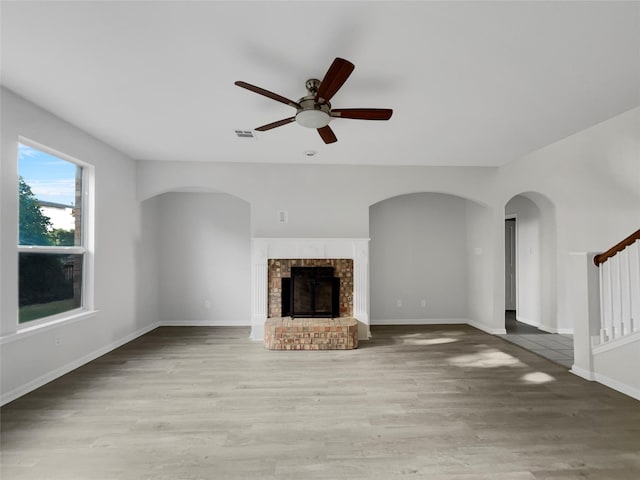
(311, 333)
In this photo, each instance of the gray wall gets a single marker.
(204, 259)
(418, 252)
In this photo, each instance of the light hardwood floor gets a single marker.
(438, 402)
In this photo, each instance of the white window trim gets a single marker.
(38, 326)
(87, 307)
(51, 249)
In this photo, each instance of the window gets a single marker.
(52, 234)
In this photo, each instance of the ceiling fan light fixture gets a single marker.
(313, 118)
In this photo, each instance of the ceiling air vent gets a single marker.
(244, 134)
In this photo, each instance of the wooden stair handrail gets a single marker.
(599, 259)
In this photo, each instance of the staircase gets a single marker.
(604, 301)
(619, 291)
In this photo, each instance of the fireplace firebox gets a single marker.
(311, 292)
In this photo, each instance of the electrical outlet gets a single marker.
(423, 303)
(56, 340)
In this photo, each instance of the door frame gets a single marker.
(515, 260)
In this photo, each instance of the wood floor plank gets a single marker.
(437, 402)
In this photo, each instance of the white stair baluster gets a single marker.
(605, 279)
(616, 300)
(634, 286)
(623, 262)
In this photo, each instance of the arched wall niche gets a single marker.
(203, 247)
(462, 195)
(191, 189)
(536, 259)
(430, 260)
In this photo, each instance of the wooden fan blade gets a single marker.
(327, 134)
(279, 123)
(268, 94)
(335, 77)
(363, 113)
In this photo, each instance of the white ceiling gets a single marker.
(470, 83)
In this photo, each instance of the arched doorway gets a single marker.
(531, 277)
(531, 235)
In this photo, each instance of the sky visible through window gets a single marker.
(51, 179)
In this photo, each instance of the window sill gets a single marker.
(25, 331)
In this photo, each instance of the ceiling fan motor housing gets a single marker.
(312, 86)
(312, 114)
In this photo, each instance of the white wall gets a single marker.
(323, 201)
(147, 270)
(204, 257)
(418, 252)
(590, 183)
(593, 179)
(482, 312)
(125, 302)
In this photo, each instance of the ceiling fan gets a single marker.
(314, 110)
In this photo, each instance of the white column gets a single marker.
(361, 288)
(259, 289)
(584, 308)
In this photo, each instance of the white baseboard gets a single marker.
(581, 372)
(564, 331)
(621, 387)
(484, 328)
(543, 327)
(528, 322)
(420, 321)
(257, 332)
(633, 392)
(204, 323)
(550, 329)
(58, 372)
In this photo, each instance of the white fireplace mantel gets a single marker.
(264, 249)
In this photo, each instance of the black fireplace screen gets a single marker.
(311, 292)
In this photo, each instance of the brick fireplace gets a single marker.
(272, 258)
(281, 268)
